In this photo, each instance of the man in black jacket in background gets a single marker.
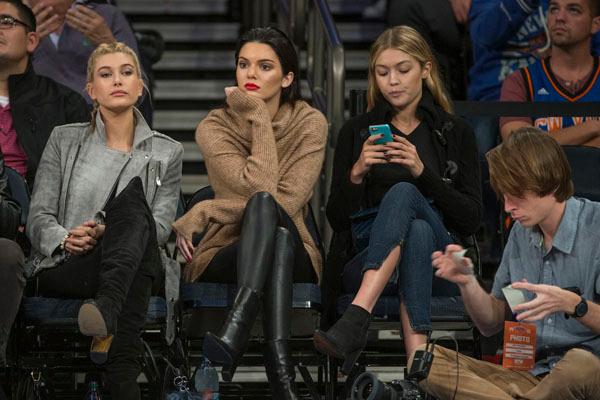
(12, 280)
(30, 105)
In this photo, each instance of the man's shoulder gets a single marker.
(52, 89)
(589, 216)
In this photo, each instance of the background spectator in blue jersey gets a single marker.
(569, 75)
(519, 37)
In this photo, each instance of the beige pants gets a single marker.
(575, 377)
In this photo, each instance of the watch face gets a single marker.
(581, 309)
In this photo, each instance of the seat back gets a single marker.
(585, 170)
(19, 191)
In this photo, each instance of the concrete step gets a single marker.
(224, 32)
(174, 7)
(177, 120)
(213, 89)
(187, 32)
(216, 60)
(343, 7)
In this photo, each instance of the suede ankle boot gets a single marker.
(347, 338)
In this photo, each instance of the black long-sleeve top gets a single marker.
(457, 197)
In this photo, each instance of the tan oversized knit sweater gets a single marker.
(245, 153)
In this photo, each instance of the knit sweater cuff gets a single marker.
(190, 223)
(246, 104)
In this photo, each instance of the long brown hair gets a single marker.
(530, 160)
(101, 50)
(408, 40)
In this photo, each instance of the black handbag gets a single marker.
(32, 386)
(361, 223)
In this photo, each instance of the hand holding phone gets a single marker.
(384, 130)
(373, 152)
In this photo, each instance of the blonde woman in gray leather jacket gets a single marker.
(104, 198)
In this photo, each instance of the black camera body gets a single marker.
(368, 387)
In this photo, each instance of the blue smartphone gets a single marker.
(381, 129)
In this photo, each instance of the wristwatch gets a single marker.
(580, 309)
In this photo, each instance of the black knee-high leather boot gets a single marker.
(254, 260)
(277, 309)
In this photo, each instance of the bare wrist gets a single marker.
(355, 178)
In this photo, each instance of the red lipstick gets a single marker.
(251, 86)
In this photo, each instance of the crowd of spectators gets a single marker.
(72, 114)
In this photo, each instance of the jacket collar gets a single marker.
(435, 117)
(142, 130)
(21, 83)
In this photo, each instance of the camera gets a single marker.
(368, 387)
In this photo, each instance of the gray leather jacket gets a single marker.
(156, 158)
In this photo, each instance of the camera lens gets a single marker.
(368, 387)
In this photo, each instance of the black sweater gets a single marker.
(458, 197)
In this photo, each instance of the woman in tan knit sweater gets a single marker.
(263, 152)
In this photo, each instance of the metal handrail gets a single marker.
(311, 22)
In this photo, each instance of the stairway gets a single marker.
(197, 64)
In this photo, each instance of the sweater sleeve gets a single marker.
(345, 197)
(506, 16)
(460, 204)
(295, 186)
(225, 162)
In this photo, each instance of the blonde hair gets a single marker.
(104, 49)
(408, 40)
(530, 160)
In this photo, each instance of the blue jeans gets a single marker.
(407, 219)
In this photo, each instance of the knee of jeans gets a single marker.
(12, 259)
(401, 193)
(421, 230)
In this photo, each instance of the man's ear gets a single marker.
(287, 80)
(595, 25)
(32, 42)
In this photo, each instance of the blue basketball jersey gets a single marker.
(542, 85)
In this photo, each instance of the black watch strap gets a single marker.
(580, 309)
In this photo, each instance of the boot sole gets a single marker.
(215, 350)
(99, 349)
(324, 345)
(90, 320)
